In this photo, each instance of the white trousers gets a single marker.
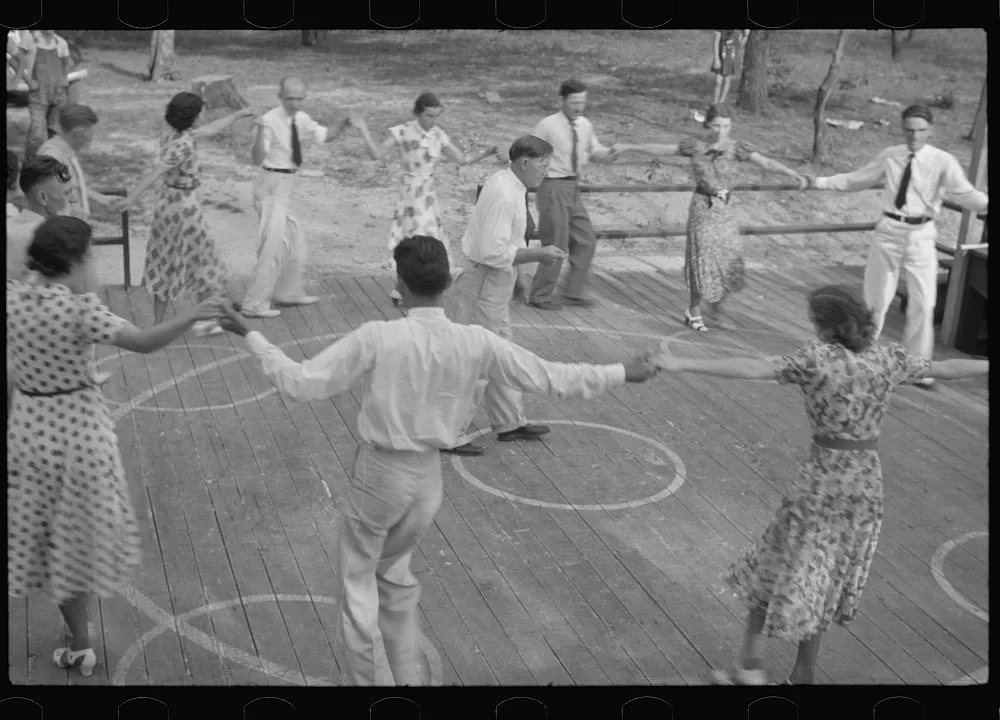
(281, 248)
(897, 247)
(390, 504)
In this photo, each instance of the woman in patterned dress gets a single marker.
(421, 144)
(809, 568)
(180, 256)
(713, 256)
(71, 528)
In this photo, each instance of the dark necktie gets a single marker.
(296, 147)
(572, 156)
(904, 184)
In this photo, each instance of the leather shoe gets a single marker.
(579, 302)
(546, 305)
(466, 450)
(525, 432)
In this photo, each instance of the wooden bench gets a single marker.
(122, 239)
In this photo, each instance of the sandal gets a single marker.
(65, 658)
(739, 676)
(695, 322)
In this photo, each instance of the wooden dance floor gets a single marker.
(594, 557)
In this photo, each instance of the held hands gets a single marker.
(231, 321)
(211, 309)
(639, 369)
(802, 181)
(549, 254)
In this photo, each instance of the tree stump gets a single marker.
(219, 91)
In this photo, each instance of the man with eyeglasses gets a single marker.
(492, 248)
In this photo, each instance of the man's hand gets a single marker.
(803, 181)
(639, 370)
(114, 203)
(211, 309)
(245, 113)
(231, 321)
(549, 254)
(810, 180)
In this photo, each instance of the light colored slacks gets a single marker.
(481, 296)
(897, 247)
(563, 221)
(392, 499)
(281, 249)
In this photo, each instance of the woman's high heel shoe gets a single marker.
(695, 322)
(85, 660)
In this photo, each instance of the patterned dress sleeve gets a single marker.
(176, 150)
(445, 140)
(97, 323)
(688, 147)
(905, 367)
(744, 150)
(799, 368)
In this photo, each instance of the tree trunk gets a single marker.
(753, 83)
(980, 109)
(819, 119)
(910, 35)
(897, 46)
(161, 56)
(315, 38)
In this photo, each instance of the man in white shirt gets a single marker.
(419, 376)
(917, 177)
(492, 250)
(44, 182)
(75, 133)
(562, 218)
(281, 249)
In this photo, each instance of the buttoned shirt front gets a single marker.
(419, 376)
(277, 129)
(77, 199)
(556, 130)
(934, 175)
(496, 229)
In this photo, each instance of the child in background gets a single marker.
(46, 69)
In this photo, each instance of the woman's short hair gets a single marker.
(841, 313)
(529, 146)
(422, 263)
(59, 244)
(572, 87)
(39, 169)
(13, 169)
(73, 116)
(716, 111)
(182, 110)
(919, 110)
(424, 101)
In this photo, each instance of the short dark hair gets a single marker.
(41, 168)
(919, 110)
(426, 100)
(716, 111)
(183, 109)
(59, 244)
(13, 168)
(422, 263)
(529, 146)
(73, 116)
(572, 87)
(842, 314)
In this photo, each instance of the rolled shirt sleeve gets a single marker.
(868, 176)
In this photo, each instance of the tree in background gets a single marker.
(315, 38)
(822, 95)
(753, 83)
(161, 56)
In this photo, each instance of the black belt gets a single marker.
(285, 171)
(838, 444)
(54, 393)
(568, 177)
(908, 220)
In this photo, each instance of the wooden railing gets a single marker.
(122, 239)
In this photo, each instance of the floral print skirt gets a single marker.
(810, 567)
(713, 256)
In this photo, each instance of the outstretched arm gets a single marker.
(217, 126)
(147, 180)
(743, 368)
(959, 369)
(375, 152)
(769, 165)
(869, 176)
(658, 150)
(455, 155)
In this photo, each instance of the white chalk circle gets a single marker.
(679, 473)
(937, 569)
(179, 624)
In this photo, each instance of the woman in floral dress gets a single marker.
(713, 256)
(809, 568)
(421, 143)
(180, 256)
(71, 528)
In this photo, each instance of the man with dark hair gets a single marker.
(419, 376)
(492, 250)
(75, 132)
(917, 177)
(563, 221)
(44, 182)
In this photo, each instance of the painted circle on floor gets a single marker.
(678, 480)
(937, 569)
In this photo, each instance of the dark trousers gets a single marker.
(563, 221)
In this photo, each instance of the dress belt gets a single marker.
(838, 444)
(567, 177)
(284, 171)
(54, 393)
(907, 220)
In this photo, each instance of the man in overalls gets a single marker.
(46, 69)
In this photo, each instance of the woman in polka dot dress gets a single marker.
(421, 143)
(71, 528)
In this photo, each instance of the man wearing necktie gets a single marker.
(281, 248)
(562, 219)
(917, 177)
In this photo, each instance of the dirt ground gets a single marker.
(643, 87)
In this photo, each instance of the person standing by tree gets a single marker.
(917, 177)
(727, 60)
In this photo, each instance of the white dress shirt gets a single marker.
(419, 376)
(556, 130)
(78, 194)
(496, 229)
(20, 232)
(277, 131)
(934, 174)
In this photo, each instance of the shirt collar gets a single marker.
(65, 146)
(521, 187)
(430, 313)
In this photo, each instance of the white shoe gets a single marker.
(304, 300)
(207, 327)
(265, 313)
(925, 383)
